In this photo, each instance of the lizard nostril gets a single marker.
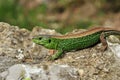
(33, 37)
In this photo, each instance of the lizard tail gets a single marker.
(112, 32)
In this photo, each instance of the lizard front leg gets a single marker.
(103, 41)
(52, 51)
(56, 55)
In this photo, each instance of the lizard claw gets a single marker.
(50, 58)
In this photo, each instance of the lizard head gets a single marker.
(46, 41)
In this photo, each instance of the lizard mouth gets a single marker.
(36, 41)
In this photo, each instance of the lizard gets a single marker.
(69, 42)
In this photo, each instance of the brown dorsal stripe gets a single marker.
(85, 33)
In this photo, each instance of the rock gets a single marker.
(12, 39)
(13, 73)
(54, 72)
(16, 47)
(113, 44)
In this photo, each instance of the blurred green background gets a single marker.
(61, 15)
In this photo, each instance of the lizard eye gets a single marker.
(49, 40)
(40, 38)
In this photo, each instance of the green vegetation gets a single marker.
(16, 14)
(45, 14)
(80, 24)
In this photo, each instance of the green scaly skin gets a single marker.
(68, 44)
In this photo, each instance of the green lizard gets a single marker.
(75, 41)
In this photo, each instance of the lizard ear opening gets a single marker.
(40, 38)
(49, 40)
